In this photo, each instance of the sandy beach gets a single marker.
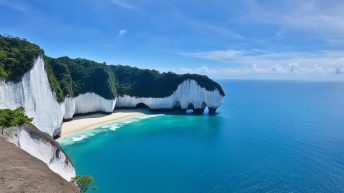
(86, 121)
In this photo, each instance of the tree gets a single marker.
(83, 183)
(11, 118)
(16, 57)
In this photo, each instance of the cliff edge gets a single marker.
(20, 172)
(41, 146)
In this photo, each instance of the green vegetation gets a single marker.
(150, 83)
(83, 183)
(71, 77)
(67, 77)
(54, 83)
(12, 118)
(17, 57)
(2, 71)
(78, 76)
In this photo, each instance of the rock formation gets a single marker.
(21, 172)
(43, 147)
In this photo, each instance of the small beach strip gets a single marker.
(80, 123)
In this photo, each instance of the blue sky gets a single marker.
(224, 39)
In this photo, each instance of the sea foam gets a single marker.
(80, 136)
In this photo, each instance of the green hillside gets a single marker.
(150, 83)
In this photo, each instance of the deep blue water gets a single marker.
(269, 136)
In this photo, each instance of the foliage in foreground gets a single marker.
(12, 118)
(83, 183)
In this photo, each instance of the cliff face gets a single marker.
(21, 172)
(35, 95)
(188, 95)
(86, 103)
(43, 147)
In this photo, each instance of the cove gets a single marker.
(288, 138)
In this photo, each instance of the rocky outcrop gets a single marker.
(21, 172)
(34, 94)
(189, 95)
(43, 147)
(86, 103)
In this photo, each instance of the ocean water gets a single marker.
(269, 136)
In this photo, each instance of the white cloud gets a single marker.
(338, 70)
(277, 68)
(320, 18)
(339, 66)
(293, 67)
(214, 55)
(262, 62)
(122, 32)
(122, 4)
(14, 5)
(275, 71)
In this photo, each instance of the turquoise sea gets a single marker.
(269, 136)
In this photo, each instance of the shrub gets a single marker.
(11, 118)
(83, 183)
(16, 57)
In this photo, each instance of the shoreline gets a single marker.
(82, 122)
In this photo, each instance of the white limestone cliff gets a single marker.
(86, 103)
(188, 92)
(34, 94)
(43, 147)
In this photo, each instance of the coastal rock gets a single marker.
(21, 172)
(35, 95)
(189, 95)
(86, 103)
(43, 147)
